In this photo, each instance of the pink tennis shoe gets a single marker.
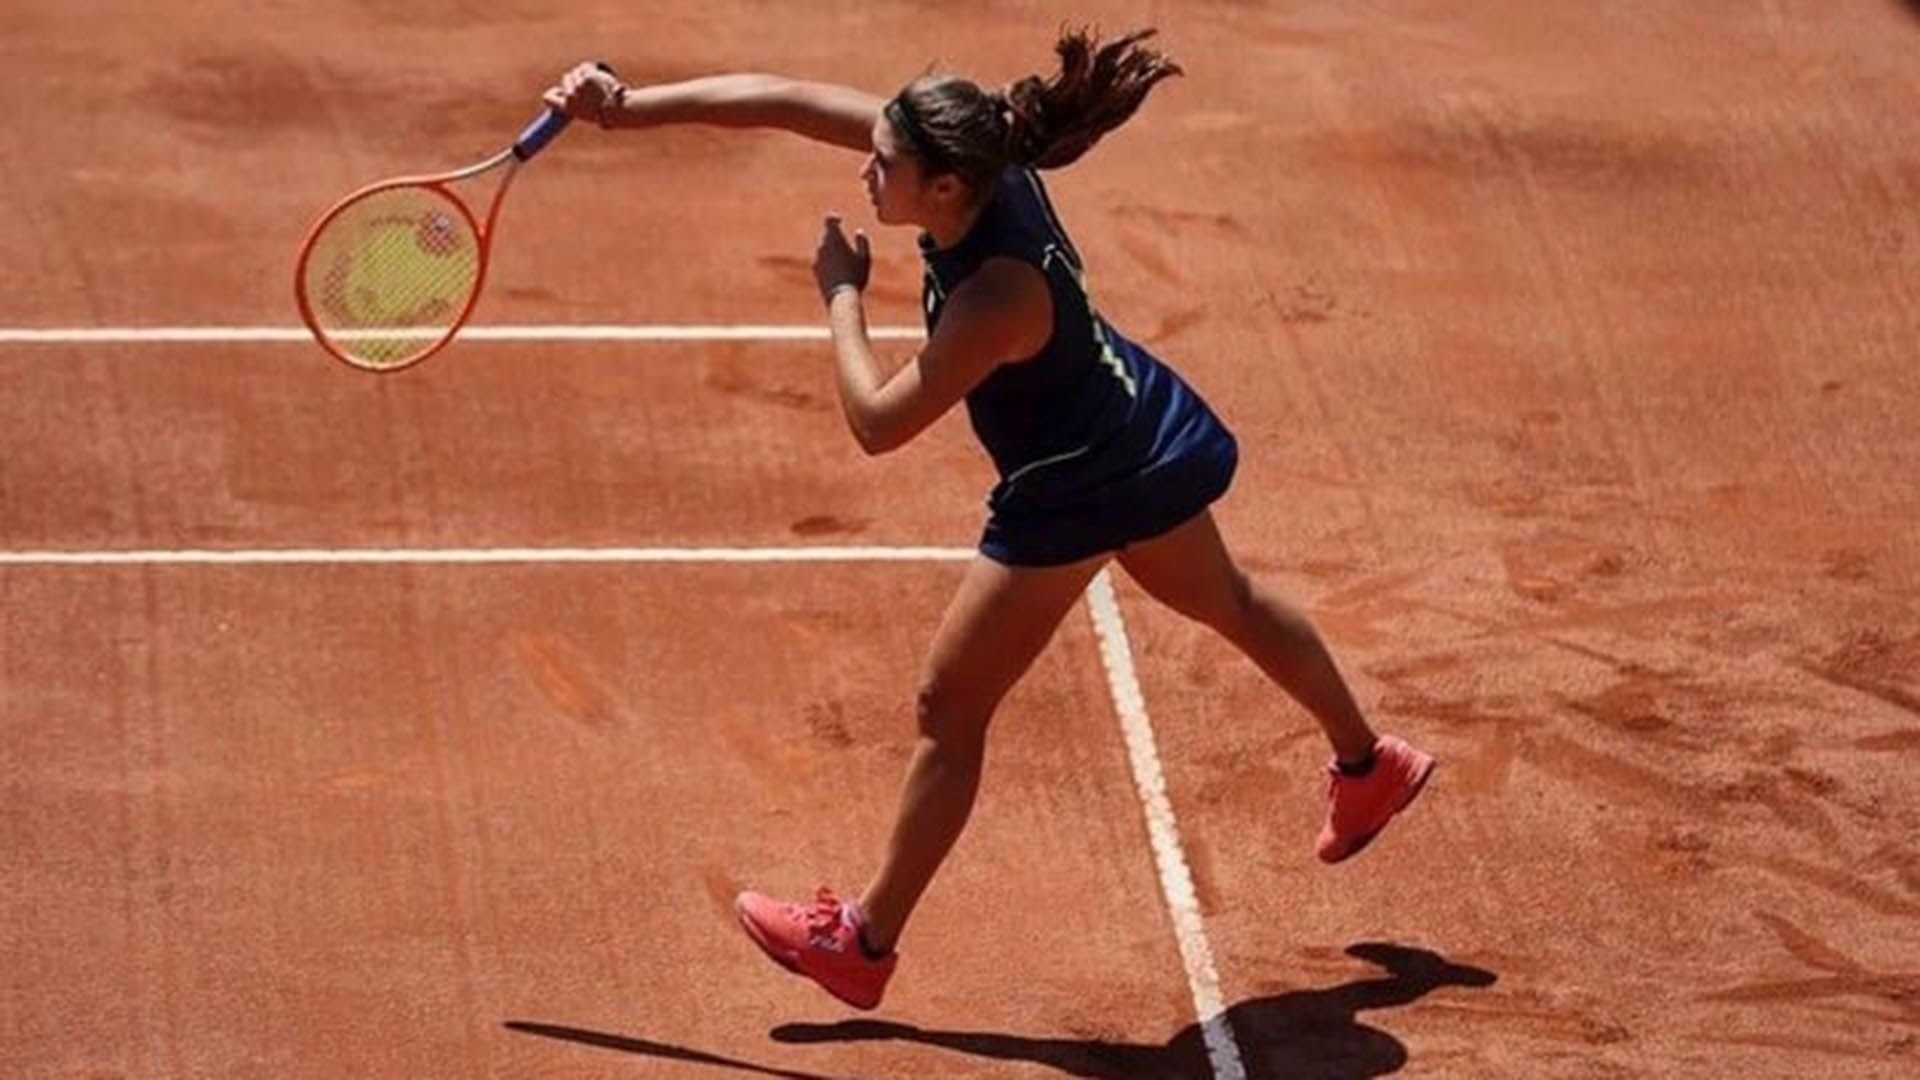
(1360, 806)
(820, 941)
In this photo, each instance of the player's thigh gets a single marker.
(1189, 569)
(998, 622)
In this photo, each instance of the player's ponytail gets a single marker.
(953, 126)
(1051, 122)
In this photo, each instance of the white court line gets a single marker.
(1176, 883)
(150, 335)
(470, 556)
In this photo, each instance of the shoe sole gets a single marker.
(1419, 785)
(792, 965)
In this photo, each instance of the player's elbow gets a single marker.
(874, 441)
(877, 433)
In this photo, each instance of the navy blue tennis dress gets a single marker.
(1098, 444)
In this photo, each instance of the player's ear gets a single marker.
(948, 188)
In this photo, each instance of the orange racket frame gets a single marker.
(530, 142)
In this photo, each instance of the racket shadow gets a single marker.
(648, 1048)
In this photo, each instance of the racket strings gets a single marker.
(392, 274)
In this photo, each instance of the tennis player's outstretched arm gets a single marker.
(824, 112)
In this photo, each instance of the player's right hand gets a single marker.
(588, 92)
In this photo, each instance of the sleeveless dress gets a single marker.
(1098, 444)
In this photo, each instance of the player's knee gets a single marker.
(950, 712)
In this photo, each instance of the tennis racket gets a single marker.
(388, 275)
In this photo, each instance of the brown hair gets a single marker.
(953, 125)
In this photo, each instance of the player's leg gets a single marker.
(1190, 570)
(996, 625)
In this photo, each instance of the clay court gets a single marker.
(424, 725)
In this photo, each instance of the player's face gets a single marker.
(892, 177)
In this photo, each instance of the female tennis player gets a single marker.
(1102, 451)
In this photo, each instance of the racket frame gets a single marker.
(534, 138)
(437, 183)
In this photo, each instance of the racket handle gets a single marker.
(539, 133)
(546, 128)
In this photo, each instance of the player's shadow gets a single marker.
(1301, 1033)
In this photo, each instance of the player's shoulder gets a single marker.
(1005, 278)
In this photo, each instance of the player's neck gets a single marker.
(948, 230)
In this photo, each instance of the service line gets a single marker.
(474, 556)
(215, 335)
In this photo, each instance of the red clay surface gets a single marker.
(1572, 356)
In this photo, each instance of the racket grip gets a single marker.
(539, 133)
(547, 127)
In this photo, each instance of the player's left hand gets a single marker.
(838, 262)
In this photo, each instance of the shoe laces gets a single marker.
(823, 918)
